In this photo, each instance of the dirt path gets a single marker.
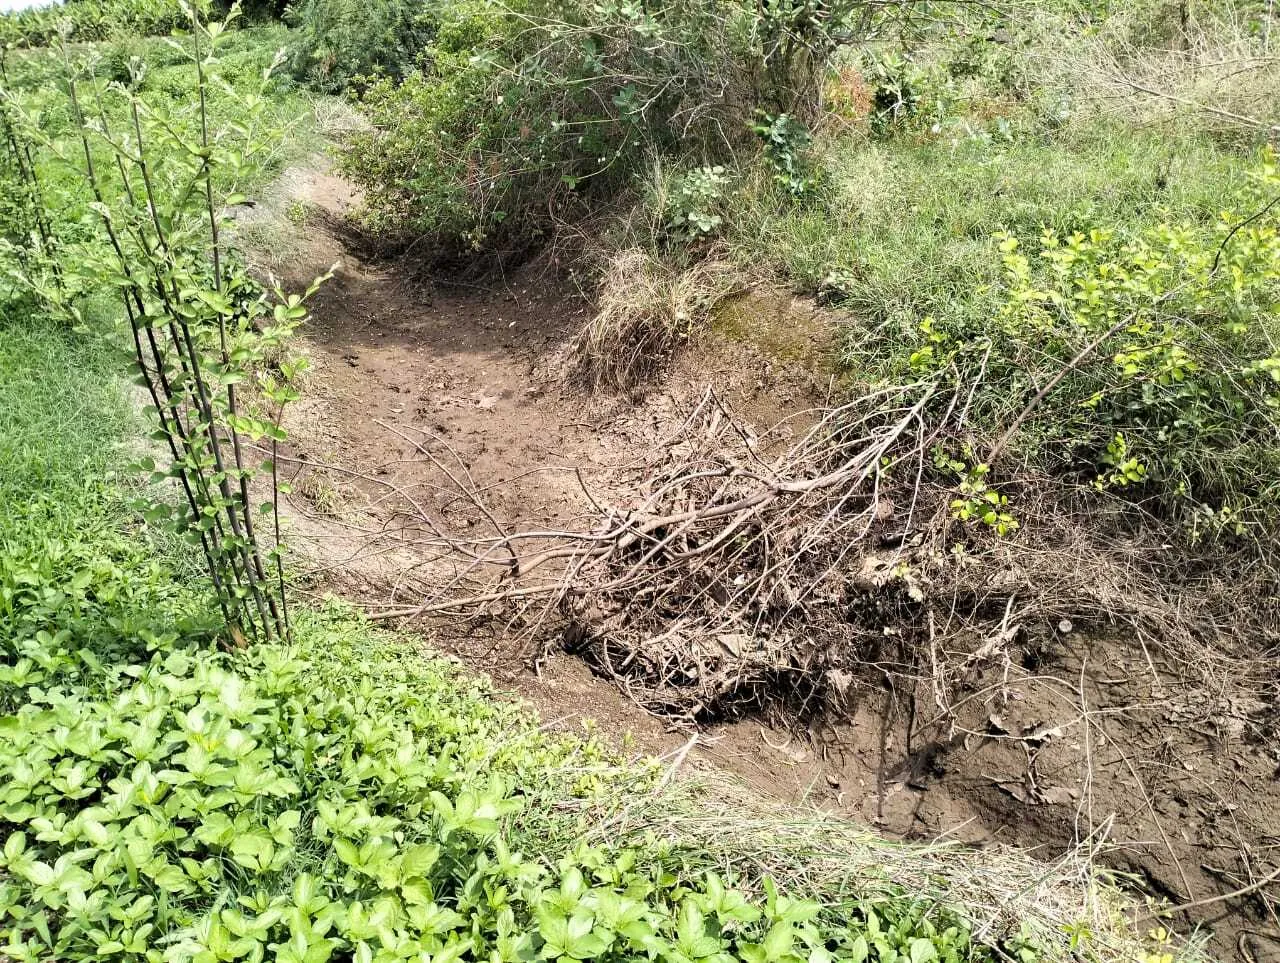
(1090, 740)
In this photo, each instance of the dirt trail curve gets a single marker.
(1091, 737)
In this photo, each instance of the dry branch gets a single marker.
(725, 570)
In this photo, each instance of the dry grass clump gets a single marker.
(1217, 69)
(645, 309)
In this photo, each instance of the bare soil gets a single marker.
(1076, 740)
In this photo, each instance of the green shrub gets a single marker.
(344, 42)
(89, 20)
(693, 204)
(1145, 359)
(521, 115)
(86, 21)
(787, 152)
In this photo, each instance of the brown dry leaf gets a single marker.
(1017, 790)
(1059, 796)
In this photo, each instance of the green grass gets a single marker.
(908, 223)
(287, 129)
(60, 417)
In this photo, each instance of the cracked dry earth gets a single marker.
(418, 384)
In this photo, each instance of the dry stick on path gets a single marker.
(1254, 887)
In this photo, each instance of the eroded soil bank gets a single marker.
(1078, 740)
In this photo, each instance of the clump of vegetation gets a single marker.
(334, 798)
(1108, 296)
(647, 310)
(341, 44)
(1148, 318)
(523, 115)
(156, 172)
(88, 20)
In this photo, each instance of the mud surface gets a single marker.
(1074, 741)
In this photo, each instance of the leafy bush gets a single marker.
(344, 42)
(89, 20)
(518, 114)
(787, 152)
(692, 207)
(86, 21)
(1144, 360)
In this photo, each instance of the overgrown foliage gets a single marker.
(199, 325)
(1138, 360)
(342, 44)
(521, 115)
(1108, 295)
(26, 235)
(88, 20)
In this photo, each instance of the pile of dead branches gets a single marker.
(800, 566)
(707, 584)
